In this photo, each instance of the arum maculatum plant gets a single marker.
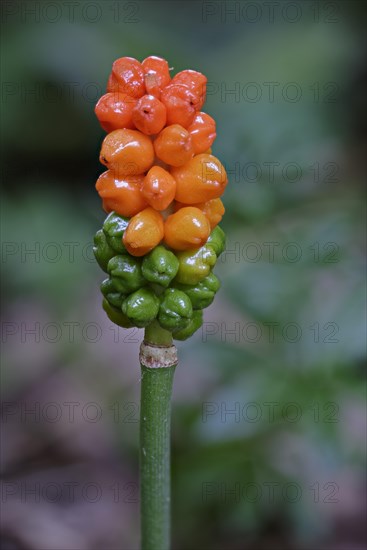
(159, 242)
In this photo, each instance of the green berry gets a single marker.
(112, 296)
(202, 294)
(217, 240)
(126, 274)
(114, 228)
(193, 325)
(195, 265)
(175, 310)
(116, 315)
(102, 250)
(141, 307)
(160, 266)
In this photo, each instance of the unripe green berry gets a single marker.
(141, 307)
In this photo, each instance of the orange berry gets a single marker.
(173, 145)
(214, 211)
(195, 81)
(127, 152)
(181, 104)
(202, 132)
(159, 188)
(127, 77)
(124, 196)
(144, 232)
(199, 180)
(187, 228)
(115, 111)
(156, 73)
(149, 115)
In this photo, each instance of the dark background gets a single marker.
(268, 436)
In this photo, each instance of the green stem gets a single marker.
(155, 420)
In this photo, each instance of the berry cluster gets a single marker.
(162, 192)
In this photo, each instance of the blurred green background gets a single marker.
(269, 401)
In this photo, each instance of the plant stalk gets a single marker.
(158, 359)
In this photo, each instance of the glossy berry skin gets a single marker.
(195, 265)
(202, 294)
(127, 77)
(156, 75)
(195, 81)
(175, 310)
(102, 250)
(127, 152)
(144, 232)
(186, 229)
(109, 291)
(149, 115)
(202, 132)
(193, 325)
(217, 241)
(181, 104)
(141, 307)
(122, 195)
(213, 210)
(115, 111)
(125, 273)
(160, 266)
(201, 179)
(173, 145)
(158, 188)
(114, 227)
(115, 315)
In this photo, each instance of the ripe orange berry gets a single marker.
(156, 73)
(124, 196)
(159, 188)
(173, 145)
(149, 115)
(195, 81)
(214, 211)
(202, 131)
(127, 77)
(199, 180)
(127, 152)
(144, 231)
(181, 104)
(187, 228)
(115, 111)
